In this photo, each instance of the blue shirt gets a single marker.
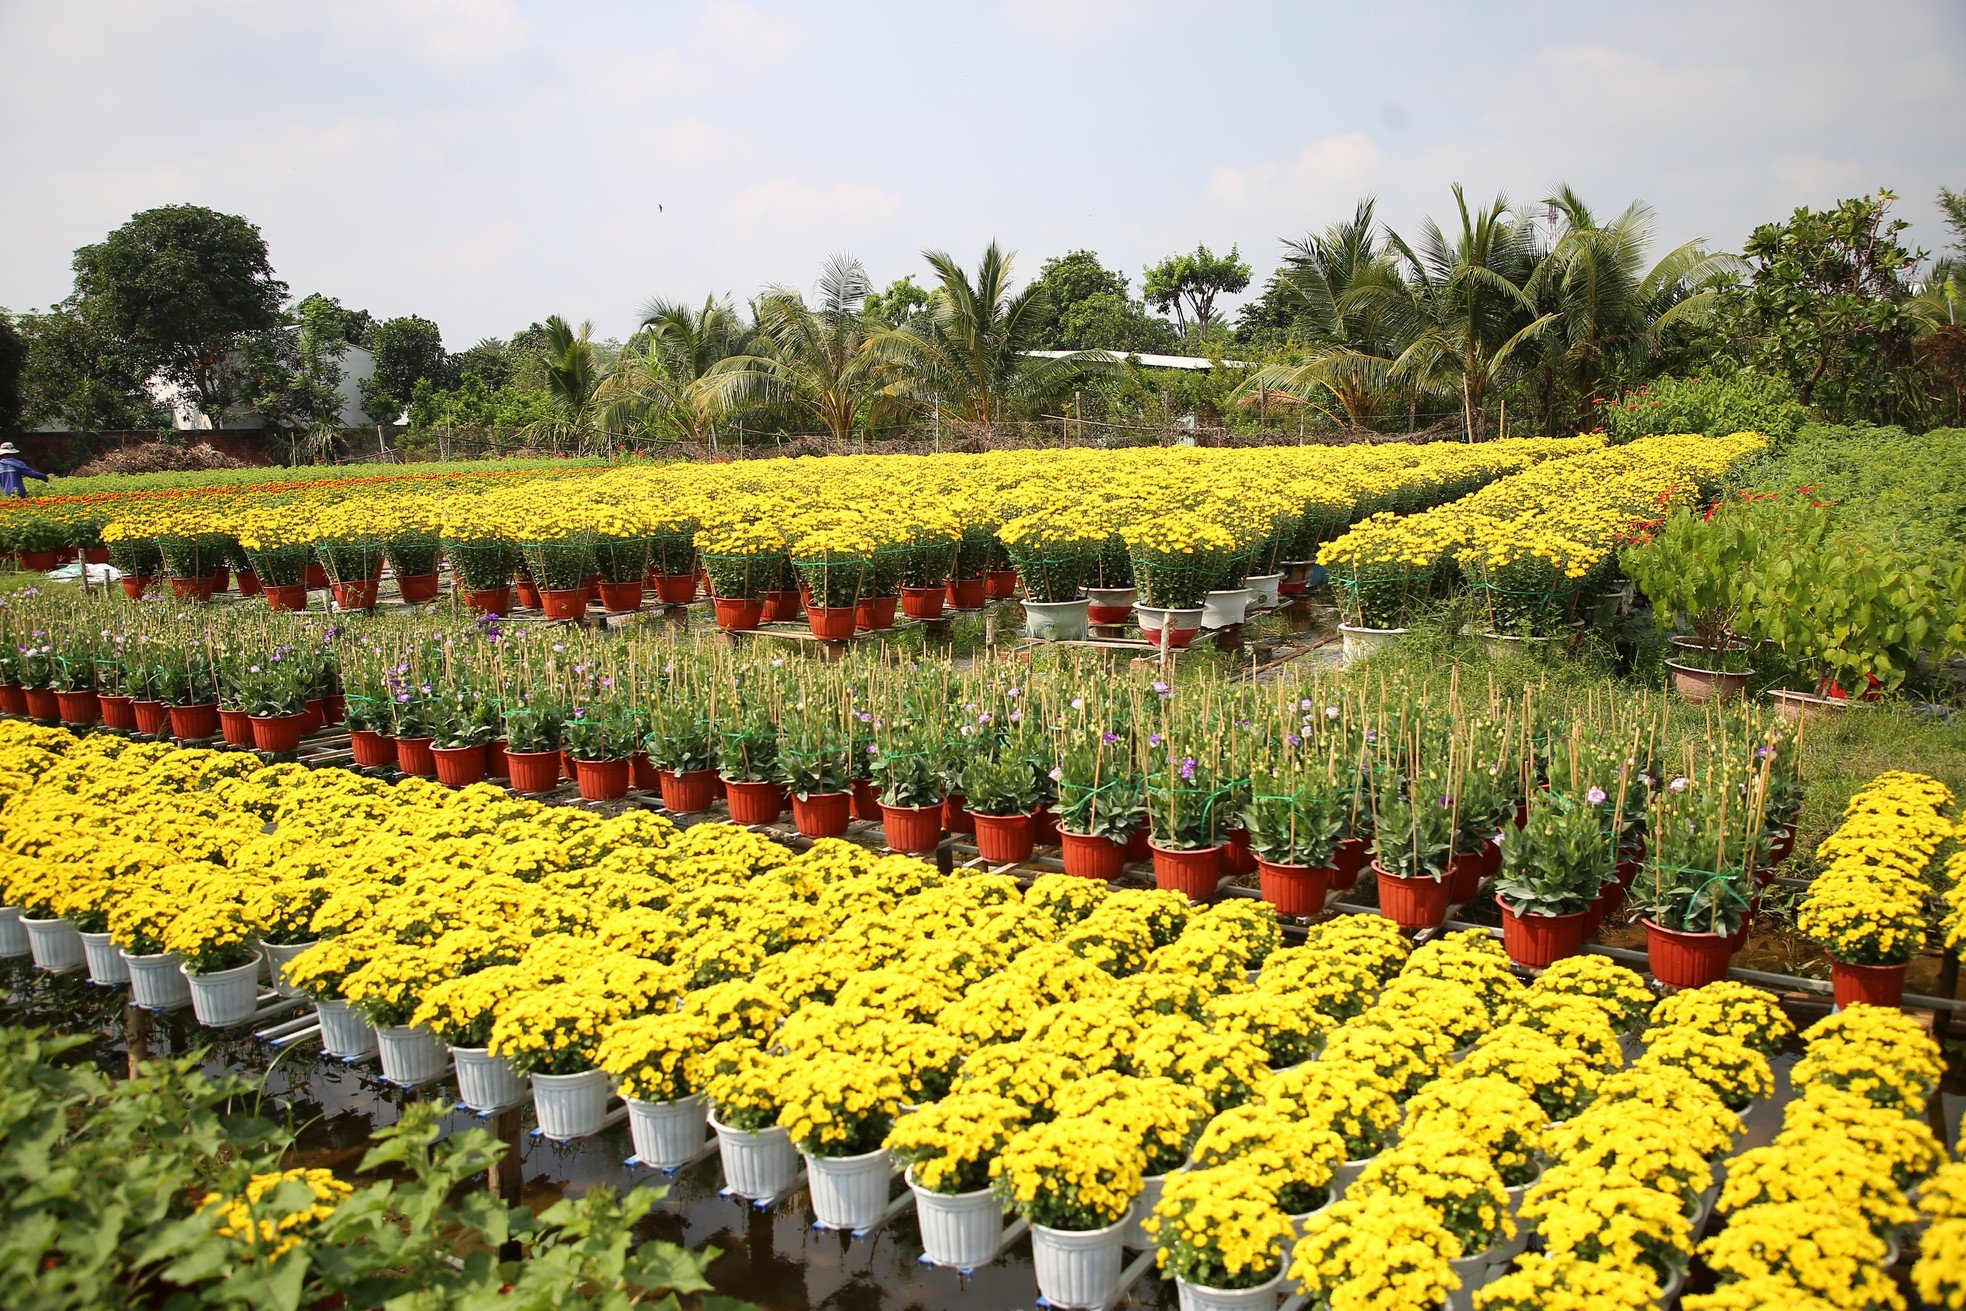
(12, 471)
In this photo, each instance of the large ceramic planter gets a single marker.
(411, 1055)
(1132, 1234)
(1411, 901)
(1701, 686)
(156, 982)
(849, 1192)
(81, 708)
(1867, 985)
(1536, 942)
(1265, 591)
(1199, 1297)
(1474, 1273)
(1004, 839)
(1110, 605)
(1361, 643)
(533, 772)
(1798, 706)
(569, 1106)
(1077, 1270)
(54, 944)
(1293, 889)
(912, 829)
(832, 623)
(668, 1134)
(459, 767)
(486, 1082)
(224, 998)
(960, 1231)
(687, 793)
(756, 1165)
(1181, 625)
(1226, 608)
(345, 1035)
(1056, 621)
(754, 803)
(1194, 872)
(13, 938)
(602, 780)
(107, 968)
(1090, 857)
(1687, 960)
(278, 735)
(923, 602)
(822, 814)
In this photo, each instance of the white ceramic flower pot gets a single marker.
(1669, 1295)
(224, 998)
(669, 1134)
(761, 1164)
(106, 964)
(1474, 1272)
(1362, 642)
(13, 938)
(1500, 646)
(54, 944)
(277, 956)
(1298, 1224)
(1144, 1202)
(570, 1106)
(849, 1192)
(1224, 608)
(1151, 617)
(1199, 1297)
(411, 1055)
(1263, 594)
(1077, 1270)
(960, 1231)
(345, 1035)
(1342, 1177)
(486, 1082)
(1056, 621)
(156, 982)
(1112, 598)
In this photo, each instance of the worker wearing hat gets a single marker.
(13, 470)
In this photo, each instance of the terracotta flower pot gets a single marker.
(495, 765)
(1867, 985)
(13, 699)
(1139, 845)
(459, 767)
(135, 586)
(528, 592)
(415, 756)
(923, 602)
(278, 735)
(1538, 941)
(1464, 871)
(359, 595)
(823, 814)
(79, 709)
(955, 814)
(621, 598)
(875, 613)
(834, 623)
(912, 829)
(236, 726)
(1687, 960)
(285, 596)
(675, 589)
(1294, 889)
(1237, 858)
(687, 794)
(38, 562)
(641, 772)
(1091, 857)
(966, 593)
(1412, 902)
(371, 749)
(866, 801)
(1000, 584)
(564, 602)
(153, 720)
(1700, 686)
(417, 588)
(116, 712)
(194, 723)
(754, 803)
(1044, 827)
(1004, 839)
(1194, 872)
(192, 589)
(496, 601)
(221, 579)
(602, 780)
(315, 577)
(42, 705)
(533, 772)
(784, 605)
(739, 614)
(248, 582)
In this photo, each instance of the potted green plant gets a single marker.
(532, 732)
(599, 737)
(1300, 811)
(1694, 568)
(813, 758)
(1102, 800)
(1553, 868)
(682, 747)
(1414, 828)
(1002, 795)
(1697, 883)
(747, 758)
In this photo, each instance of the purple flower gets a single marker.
(1293, 740)
(1153, 739)
(1109, 738)
(1678, 784)
(1447, 803)
(1078, 703)
(1187, 769)
(984, 718)
(1162, 688)
(1595, 796)
(1331, 712)
(873, 750)
(1017, 716)
(1055, 775)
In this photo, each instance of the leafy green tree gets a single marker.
(655, 388)
(1087, 307)
(488, 362)
(904, 302)
(351, 326)
(81, 378)
(1188, 285)
(13, 363)
(573, 370)
(1952, 204)
(408, 350)
(181, 286)
(294, 375)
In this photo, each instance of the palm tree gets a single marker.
(656, 385)
(815, 360)
(573, 377)
(967, 353)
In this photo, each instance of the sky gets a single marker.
(485, 163)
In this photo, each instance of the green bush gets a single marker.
(1713, 406)
(1911, 487)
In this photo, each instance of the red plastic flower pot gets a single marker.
(1536, 942)
(415, 756)
(38, 562)
(459, 767)
(641, 772)
(1352, 855)
(1293, 889)
(675, 589)
(1003, 839)
(248, 583)
(823, 814)
(866, 802)
(495, 766)
(372, 750)
(358, 595)
(687, 794)
(236, 727)
(739, 614)
(221, 579)
(1464, 877)
(563, 602)
(923, 602)
(528, 593)
(1000, 584)
(966, 593)
(96, 555)
(134, 586)
(833, 623)
(1867, 985)
(533, 772)
(79, 709)
(621, 598)
(912, 829)
(1412, 902)
(1237, 858)
(417, 588)
(285, 596)
(316, 578)
(754, 803)
(1490, 852)
(41, 705)
(1687, 960)
(153, 720)
(1044, 827)
(278, 735)
(194, 723)
(1088, 856)
(783, 606)
(1781, 845)
(1603, 906)
(116, 713)
(955, 814)
(875, 613)
(192, 589)
(495, 601)
(1138, 845)
(334, 709)
(317, 713)
(603, 780)
(1195, 873)
(13, 699)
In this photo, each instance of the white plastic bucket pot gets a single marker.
(345, 1035)
(13, 938)
(1152, 617)
(1077, 1269)
(1363, 642)
(1143, 1206)
(1475, 1272)
(411, 1055)
(761, 1164)
(570, 1106)
(1263, 595)
(156, 982)
(1224, 608)
(1056, 621)
(224, 998)
(277, 956)
(486, 1082)
(668, 1134)
(54, 944)
(849, 1192)
(960, 1231)
(1342, 1177)
(1199, 1297)
(106, 964)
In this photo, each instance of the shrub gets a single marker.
(1740, 402)
(159, 457)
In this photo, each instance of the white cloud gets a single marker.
(1056, 20)
(1323, 178)
(732, 32)
(844, 205)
